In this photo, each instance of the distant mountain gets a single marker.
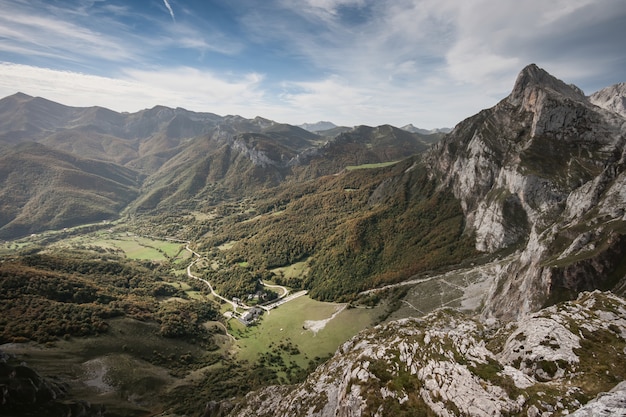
(41, 188)
(99, 133)
(188, 157)
(318, 127)
(612, 98)
(331, 133)
(358, 146)
(413, 129)
(226, 163)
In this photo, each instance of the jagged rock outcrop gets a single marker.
(607, 404)
(24, 392)
(445, 364)
(611, 98)
(540, 172)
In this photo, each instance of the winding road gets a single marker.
(191, 275)
(284, 289)
(282, 299)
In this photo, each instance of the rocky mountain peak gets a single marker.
(527, 172)
(611, 98)
(532, 78)
(318, 126)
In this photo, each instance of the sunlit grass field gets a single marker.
(369, 166)
(133, 247)
(286, 322)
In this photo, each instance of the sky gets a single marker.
(431, 63)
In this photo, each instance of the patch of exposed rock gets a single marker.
(607, 404)
(447, 364)
(611, 98)
(542, 172)
(24, 392)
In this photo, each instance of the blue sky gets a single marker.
(431, 63)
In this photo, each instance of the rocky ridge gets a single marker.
(24, 392)
(541, 172)
(547, 364)
(611, 98)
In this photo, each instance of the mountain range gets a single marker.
(517, 215)
(165, 156)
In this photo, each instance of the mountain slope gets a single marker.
(227, 162)
(359, 146)
(358, 229)
(45, 189)
(611, 98)
(190, 157)
(540, 172)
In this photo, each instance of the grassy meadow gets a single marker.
(285, 324)
(370, 166)
(128, 244)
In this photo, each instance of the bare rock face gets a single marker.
(607, 404)
(611, 98)
(23, 392)
(541, 172)
(448, 364)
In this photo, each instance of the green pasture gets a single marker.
(286, 322)
(132, 246)
(144, 248)
(296, 270)
(227, 245)
(370, 166)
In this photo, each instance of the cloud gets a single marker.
(196, 87)
(338, 99)
(137, 89)
(44, 35)
(326, 9)
(92, 34)
(428, 62)
(169, 9)
(419, 44)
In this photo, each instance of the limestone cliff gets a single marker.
(542, 172)
(611, 98)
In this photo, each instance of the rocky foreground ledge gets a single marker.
(25, 393)
(552, 363)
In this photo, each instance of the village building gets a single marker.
(250, 316)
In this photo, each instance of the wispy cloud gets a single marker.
(169, 9)
(418, 46)
(42, 35)
(91, 34)
(134, 89)
(428, 62)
